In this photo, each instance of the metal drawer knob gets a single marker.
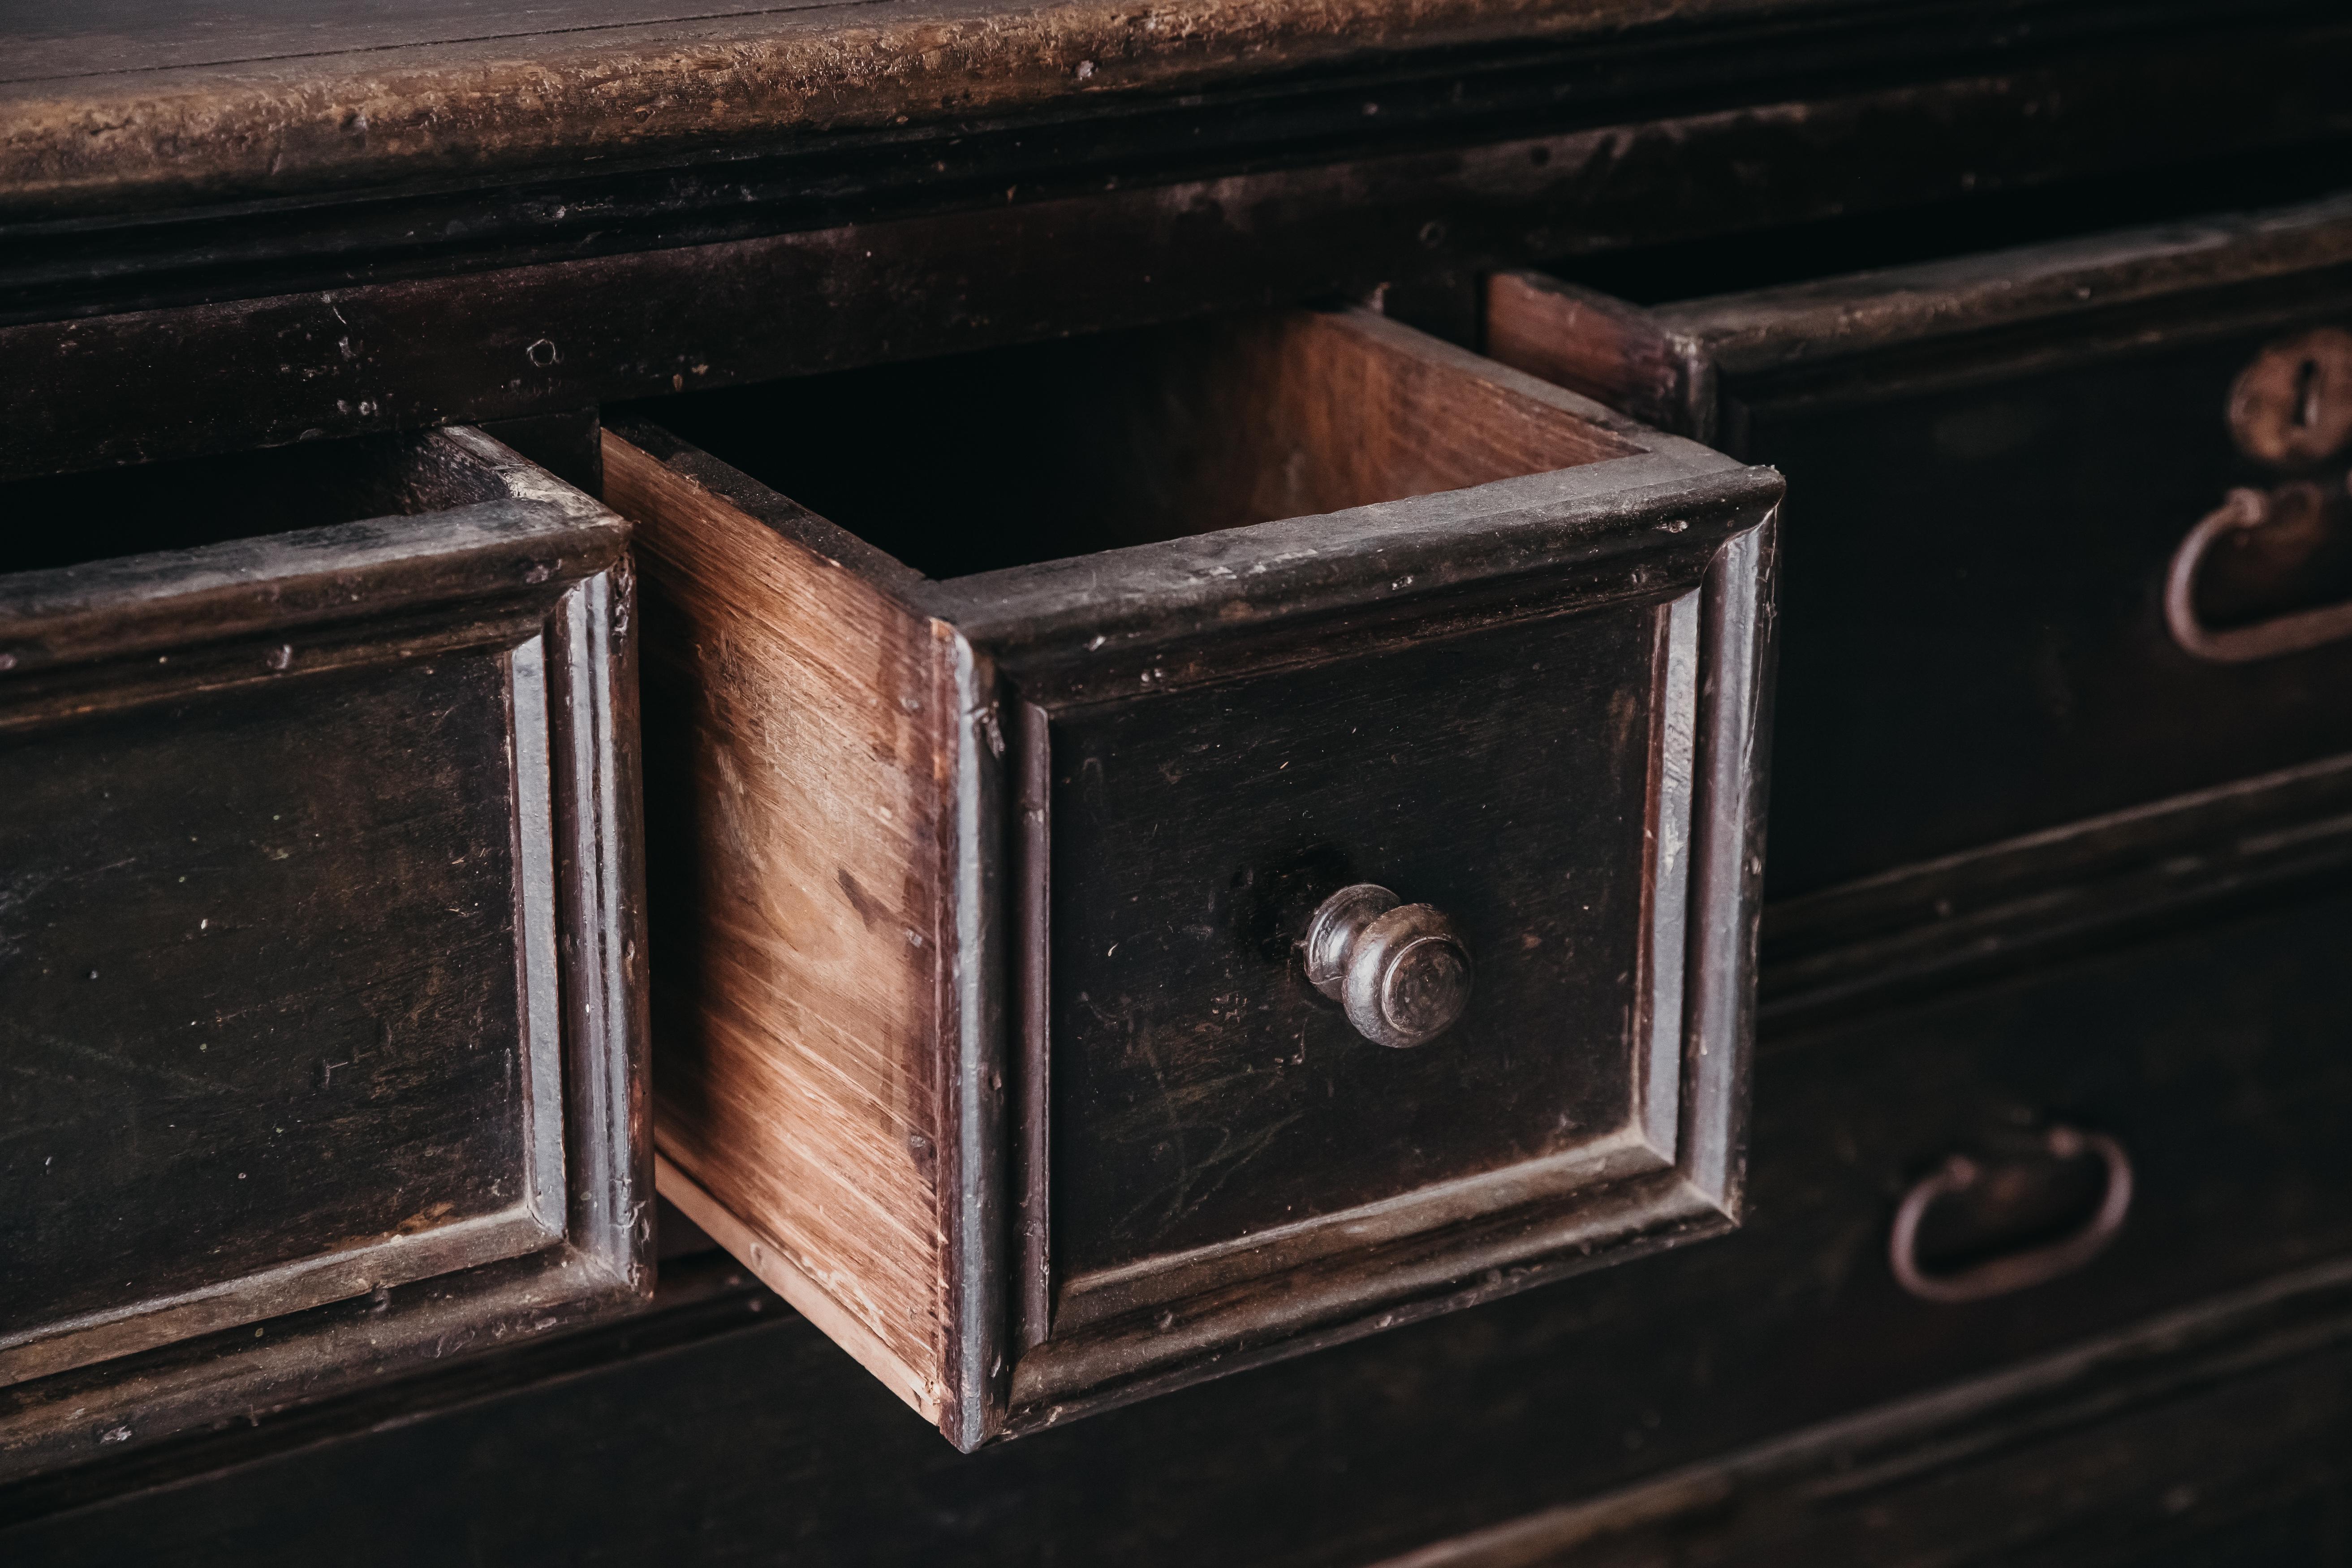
(1401, 970)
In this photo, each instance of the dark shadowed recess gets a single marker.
(70, 519)
(1824, 248)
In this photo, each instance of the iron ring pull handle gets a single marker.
(2015, 1270)
(2286, 634)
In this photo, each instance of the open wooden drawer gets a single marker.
(319, 932)
(991, 816)
(2072, 530)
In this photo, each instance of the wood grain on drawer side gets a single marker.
(797, 762)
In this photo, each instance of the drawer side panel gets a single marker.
(794, 782)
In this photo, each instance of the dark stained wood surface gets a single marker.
(2005, 906)
(1997, 456)
(2178, 1444)
(1200, 1094)
(1262, 186)
(273, 97)
(321, 932)
(305, 323)
(2214, 1055)
(264, 1000)
(2029, 518)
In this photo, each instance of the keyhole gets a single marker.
(2306, 393)
(2292, 406)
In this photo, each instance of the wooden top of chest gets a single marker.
(119, 104)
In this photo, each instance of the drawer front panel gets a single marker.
(1202, 1091)
(2214, 1059)
(264, 1001)
(320, 928)
(1996, 618)
(2030, 519)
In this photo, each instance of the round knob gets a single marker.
(1401, 971)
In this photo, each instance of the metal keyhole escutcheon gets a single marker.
(2292, 407)
(1401, 971)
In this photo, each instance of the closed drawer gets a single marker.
(988, 1034)
(2071, 532)
(2214, 1060)
(319, 933)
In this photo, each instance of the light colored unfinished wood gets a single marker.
(1382, 412)
(797, 989)
(803, 1294)
(1301, 411)
(1601, 347)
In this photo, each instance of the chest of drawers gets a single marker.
(1232, 906)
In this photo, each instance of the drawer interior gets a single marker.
(1691, 269)
(1015, 455)
(70, 519)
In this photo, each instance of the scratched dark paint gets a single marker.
(1994, 458)
(2038, 512)
(2215, 1055)
(258, 952)
(1201, 1091)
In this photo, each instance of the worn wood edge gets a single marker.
(1598, 1164)
(2119, 835)
(804, 1295)
(1661, 982)
(1603, 347)
(1982, 910)
(596, 782)
(1739, 648)
(138, 604)
(37, 697)
(122, 140)
(1067, 686)
(94, 1414)
(1770, 329)
(1336, 1301)
(817, 535)
(1407, 546)
(266, 1293)
(1639, 434)
(514, 474)
(974, 997)
(1388, 551)
(2238, 1331)
(1030, 1295)
(1408, 342)
(699, 1296)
